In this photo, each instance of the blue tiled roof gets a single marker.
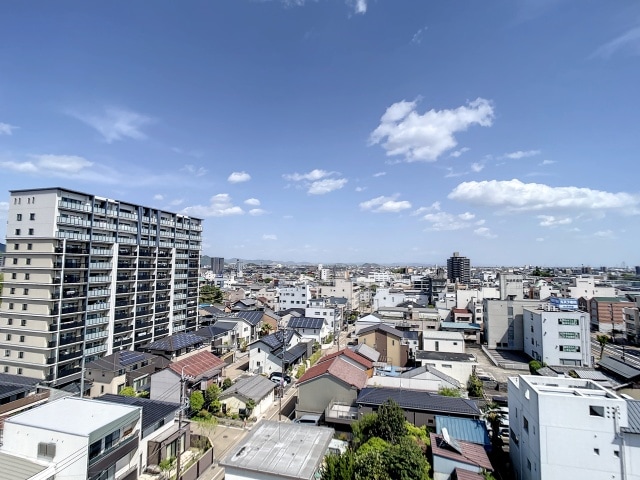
(465, 429)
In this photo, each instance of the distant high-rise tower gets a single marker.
(458, 269)
(217, 265)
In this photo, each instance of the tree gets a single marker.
(390, 424)
(534, 366)
(339, 467)
(449, 392)
(265, 329)
(227, 383)
(210, 294)
(211, 398)
(127, 392)
(196, 401)
(405, 461)
(166, 465)
(602, 340)
(475, 387)
(249, 405)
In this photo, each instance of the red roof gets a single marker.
(470, 453)
(462, 474)
(197, 364)
(339, 368)
(347, 352)
(461, 310)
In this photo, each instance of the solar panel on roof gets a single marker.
(128, 357)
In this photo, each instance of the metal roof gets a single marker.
(418, 400)
(295, 353)
(255, 388)
(287, 450)
(381, 327)
(633, 413)
(199, 365)
(18, 468)
(619, 368)
(218, 328)
(460, 326)
(152, 410)
(306, 322)
(465, 429)
(254, 317)
(469, 453)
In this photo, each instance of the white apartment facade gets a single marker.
(562, 428)
(586, 286)
(388, 297)
(297, 296)
(557, 337)
(87, 276)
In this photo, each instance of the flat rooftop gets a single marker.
(287, 450)
(73, 415)
(563, 386)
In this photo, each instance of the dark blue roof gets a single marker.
(152, 410)
(274, 340)
(465, 429)
(218, 328)
(306, 322)
(176, 342)
(295, 353)
(418, 400)
(254, 317)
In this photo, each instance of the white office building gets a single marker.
(565, 428)
(87, 276)
(557, 337)
(297, 296)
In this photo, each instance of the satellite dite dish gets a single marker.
(445, 435)
(450, 441)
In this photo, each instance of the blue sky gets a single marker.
(392, 131)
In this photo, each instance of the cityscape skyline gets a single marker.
(338, 131)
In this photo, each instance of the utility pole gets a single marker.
(178, 455)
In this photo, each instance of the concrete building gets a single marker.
(587, 286)
(388, 341)
(439, 341)
(503, 323)
(76, 438)
(459, 269)
(217, 265)
(278, 451)
(293, 297)
(557, 337)
(88, 276)
(511, 286)
(632, 321)
(607, 314)
(564, 428)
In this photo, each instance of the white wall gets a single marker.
(461, 371)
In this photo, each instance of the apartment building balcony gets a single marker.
(144, 288)
(179, 316)
(67, 372)
(73, 221)
(96, 335)
(100, 279)
(166, 244)
(126, 252)
(76, 207)
(101, 252)
(104, 226)
(73, 236)
(179, 328)
(126, 265)
(180, 296)
(97, 320)
(63, 357)
(161, 309)
(143, 324)
(128, 240)
(130, 216)
(96, 349)
(121, 289)
(98, 306)
(120, 315)
(101, 292)
(100, 265)
(185, 246)
(142, 336)
(197, 228)
(70, 340)
(191, 323)
(145, 265)
(144, 276)
(141, 300)
(122, 342)
(162, 286)
(341, 412)
(146, 252)
(169, 223)
(127, 228)
(194, 255)
(195, 237)
(103, 238)
(64, 310)
(73, 264)
(124, 277)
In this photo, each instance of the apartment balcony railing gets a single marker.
(144, 324)
(96, 349)
(127, 240)
(80, 207)
(104, 252)
(104, 226)
(123, 277)
(63, 357)
(144, 252)
(100, 265)
(121, 315)
(70, 340)
(100, 279)
(76, 250)
(97, 320)
(127, 228)
(74, 221)
(130, 216)
(98, 306)
(102, 292)
(103, 238)
(166, 244)
(65, 372)
(127, 252)
(122, 342)
(94, 335)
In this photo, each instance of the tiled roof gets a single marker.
(306, 322)
(211, 310)
(462, 474)
(466, 429)
(295, 353)
(198, 365)
(17, 379)
(470, 453)
(8, 390)
(254, 317)
(419, 400)
(367, 364)
(619, 368)
(255, 388)
(274, 340)
(152, 410)
(383, 328)
(633, 413)
(218, 328)
(339, 368)
(176, 342)
(443, 376)
(367, 352)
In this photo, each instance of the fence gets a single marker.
(199, 467)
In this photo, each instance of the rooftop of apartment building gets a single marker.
(563, 386)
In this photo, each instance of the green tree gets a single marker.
(602, 340)
(405, 461)
(227, 383)
(534, 366)
(449, 392)
(390, 424)
(250, 404)
(371, 466)
(210, 294)
(475, 387)
(363, 429)
(212, 398)
(265, 329)
(127, 392)
(339, 467)
(196, 401)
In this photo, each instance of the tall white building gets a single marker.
(293, 297)
(87, 276)
(564, 428)
(557, 337)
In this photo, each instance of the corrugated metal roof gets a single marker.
(470, 453)
(18, 468)
(466, 429)
(633, 413)
(619, 368)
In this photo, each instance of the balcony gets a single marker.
(70, 325)
(97, 320)
(126, 252)
(79, 207)
(121, 315)
(63, 357)
(95, 335)
(102, 292)
(144, 324)
(97, 349)
(122, 329)
(100, 266)
(70, 340)
(100, 279)
(101, 252)
(110, 456)
(340, 412)
(123, 303)
(124, 277)
(98, 306)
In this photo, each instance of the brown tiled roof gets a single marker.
(367, 364)
(472, 453)
(339, 368)
(462, 474)
(461, 310)
(198, 364)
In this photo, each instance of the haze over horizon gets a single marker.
(339, 131)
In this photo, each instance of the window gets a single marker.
(6, 369)
(29, 246)
(525, 424)
(616, 453)
(25, 306)
(596, 451)
(22, 338)
(47, 450)
(19, 217)
(16, 246)
(31, 231)
(17, 231)
(15, 261)
(568, 321)
(28, 261)
(9, 321)
(32, 216)
(258, 349)
(23, 323)
(596, 411)
(570, 348)
(569, 335)
(25, 291)
(14, 276)
(94, 449)
(101, 388)
(20, 354)
(27, 276)
(19, 371)
(12, 291)
(11, 306)
(7, 353)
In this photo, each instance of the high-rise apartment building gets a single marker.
(217, 265)
(87, 276)
(459, 269)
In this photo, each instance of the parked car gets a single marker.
(277, 377)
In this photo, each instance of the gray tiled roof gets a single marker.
(119, 360)
(152, 410)
(619, 368)
(274, 340)
(419, 400)
(306, 322)
(383, 328)
(218, 328)
(295, 353)
(255, 388)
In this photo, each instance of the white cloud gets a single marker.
(269, 237)
(551, 221)
(521, 154)
(547, 162)
(484, 232)
(514, 195)
(158, 197)
(384, 204)
(629, 41)
(238, 177)
(540, 239)
(466, 216)
(220, 205)
(604, 234)
(404, 132)
(379, 174)
(327, 185)
(311, 176)
(4, 206)
(457, 153)
(359, 6)
(6, 129)
(477, 167)
(195, 171)
(254, 202)
(56, 165)
(443, 221)
(360, 189)
(417, 37)
(434, 207)
(255, 212)
(176, 202)
(117, 123)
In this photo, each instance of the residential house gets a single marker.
(457, 365)
(256, 388)
(367, 352)
(315, 329)
(426, 378)
(121, 369)
(278, 350)
(75, 438)
(320, 307)
(450, 455)
(253, 319)
(176, 345)
(199, 371)
(420, 407)
(161, 437)
(466, 429)
(277, 451)
(222, 335)
(443, 341)
(388, 341)
(620, 370)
